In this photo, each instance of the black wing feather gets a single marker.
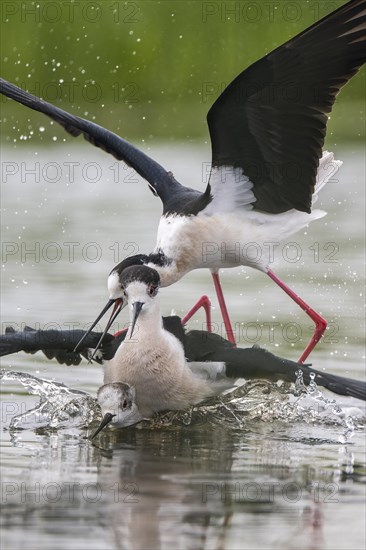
(60, 344)
(256, 362)
(271, 120)
(55, 344)
(162, 182)
(198, 346)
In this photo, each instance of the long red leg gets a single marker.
(224, 312)
(204, 302)
(320, 322)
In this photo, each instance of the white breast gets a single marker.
(159, 373)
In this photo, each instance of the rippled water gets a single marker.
(63, 407)
(265, 469)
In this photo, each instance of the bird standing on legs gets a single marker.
(267, 132)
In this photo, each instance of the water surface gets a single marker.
(264, 484)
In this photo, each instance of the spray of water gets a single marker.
(256, 400)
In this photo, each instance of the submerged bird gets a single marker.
(155, 365)
(267, 131)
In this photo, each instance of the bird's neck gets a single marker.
(167, 268)
(148, 324)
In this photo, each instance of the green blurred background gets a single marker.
(148, 70)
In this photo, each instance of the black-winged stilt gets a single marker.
(199, 346)
(157, 370)
(267, 131)
(151, 360)
(118, 403)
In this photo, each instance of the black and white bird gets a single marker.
(156, 366)
(199, 346)
(267, 132)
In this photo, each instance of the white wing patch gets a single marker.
(231, 190)
(208, 370)
(328, 166)
(214, 373)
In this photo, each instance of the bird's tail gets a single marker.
(259, 363)
(288, 223)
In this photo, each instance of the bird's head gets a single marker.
(118, 406)
(135, 285)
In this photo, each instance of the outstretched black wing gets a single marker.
(270, 122)
(198, 346)
(60, 344)
(256, 362)
(55, 344)
(161, 182)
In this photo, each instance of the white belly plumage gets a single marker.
(154, 364)
(229, 232)
(227, 240)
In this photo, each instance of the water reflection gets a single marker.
(223, 475)
(182, 488)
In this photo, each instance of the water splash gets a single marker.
(259, 400)
(58, 407)
(255, 400)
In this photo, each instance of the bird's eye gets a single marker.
(124, 404)
(152, 290)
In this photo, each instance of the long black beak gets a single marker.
(104, 310)
(105, 420)
(118, 304)
(137, 307)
